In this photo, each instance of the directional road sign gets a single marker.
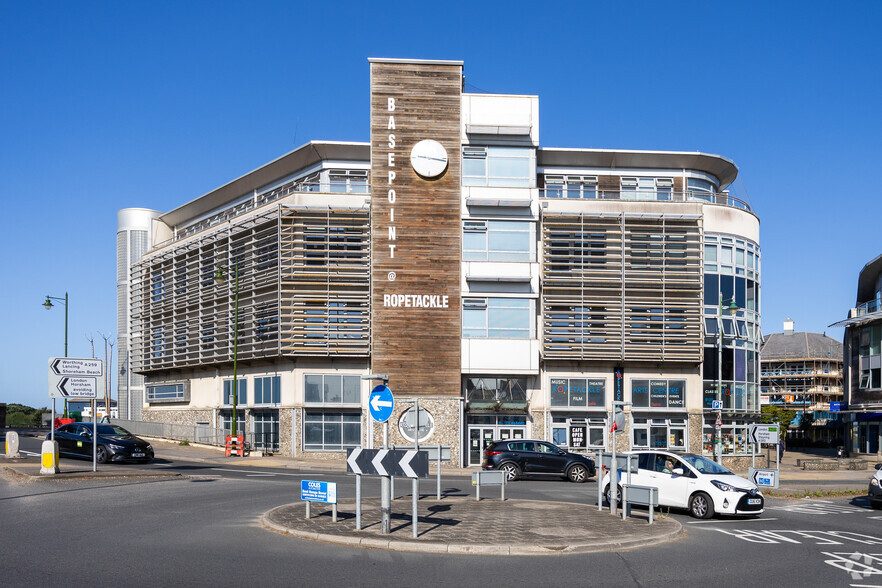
(380, 403)
(403, 463)
(72, 366)
(763, 433)
(764, 478)
(68, 387)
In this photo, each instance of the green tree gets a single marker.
(775, 414)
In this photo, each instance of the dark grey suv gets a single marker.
(527, 456)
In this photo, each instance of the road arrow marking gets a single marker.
(376, 403)
(377, 462)
(351, 460)
(405, 464)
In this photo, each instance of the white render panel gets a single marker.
(500, 277)
(725, 219)
(507, 356)
(501, 110)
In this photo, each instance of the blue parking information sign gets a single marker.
(314, 491)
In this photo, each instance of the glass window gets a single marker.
(640, 393)
(266, 430)
(711, 289)
(578, 392)
(497, 166)
(267, 390)
(242, 392)
(497, 241)
(497, 318)
(332, 389)
(331, 431)
(166, 392)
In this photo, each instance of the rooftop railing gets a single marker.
(582, 192)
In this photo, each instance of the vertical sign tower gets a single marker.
(416, 227)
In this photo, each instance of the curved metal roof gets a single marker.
(723, 169)
(866, 289)
(301, 158)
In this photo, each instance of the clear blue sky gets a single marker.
(108, 105)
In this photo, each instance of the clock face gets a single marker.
(428, 158)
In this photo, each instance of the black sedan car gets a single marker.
(526, 456)
(114, 443)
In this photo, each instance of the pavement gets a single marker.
(457, 523)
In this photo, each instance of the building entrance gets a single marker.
(499, 428)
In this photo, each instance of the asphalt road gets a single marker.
(204, 531)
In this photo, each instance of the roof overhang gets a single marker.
(301, 158)
(866, 289)
(859, 320)
(721, 168)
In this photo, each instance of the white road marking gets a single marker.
(774, 537)
(734, 521)
(31, 453)
(860, 566)
(263, 473)
(819, 507)
(260, 475)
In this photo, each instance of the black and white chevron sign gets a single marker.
(402, 463)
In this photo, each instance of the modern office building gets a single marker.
(862, 357)
(803, 372)
(515, 290)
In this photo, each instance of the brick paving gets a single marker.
(465, 525)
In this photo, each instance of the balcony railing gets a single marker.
(588, 193)
(869, 307)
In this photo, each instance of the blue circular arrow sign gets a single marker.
(380, 403)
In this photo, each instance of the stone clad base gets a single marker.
(445, 412)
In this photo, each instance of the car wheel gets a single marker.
(511, 471)
(577, 473)
(101, 454)
(701, 506)
(606, 494)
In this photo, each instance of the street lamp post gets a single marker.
(732, 308)
(48, 306)
(219, 279)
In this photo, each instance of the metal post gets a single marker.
(599, 463)
(94, 435)
(503, 488)
(438, 489)
(652, 492)
(391, 481)
(613, 475)
(236, 352)
(415, 483)
(65, 346)
(307, 509)
(334, 512)
(385, 488)
(478, 487)
(358, 502)
(718, 441)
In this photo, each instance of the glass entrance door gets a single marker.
(479, 439)
(480, 436)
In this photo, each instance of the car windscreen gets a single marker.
(705, 466)
(113, 431)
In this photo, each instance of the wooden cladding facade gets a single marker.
(415, 228)
(622, 287)
(303, 290)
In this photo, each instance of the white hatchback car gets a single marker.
(689, 481)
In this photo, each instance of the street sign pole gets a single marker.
(385, 491)
(415, 482)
